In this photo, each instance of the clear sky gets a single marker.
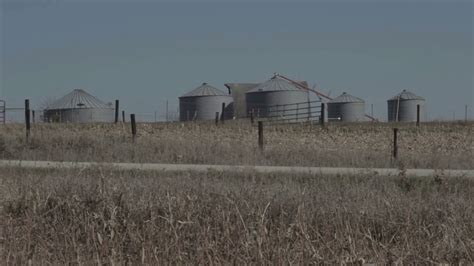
(147, 52)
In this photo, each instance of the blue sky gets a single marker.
(147, 52)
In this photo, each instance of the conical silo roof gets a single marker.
(78, 98)
(204, 90)
(346, 98)
(406, 95)
(275, 84)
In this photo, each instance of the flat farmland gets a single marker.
(433, 145)
(105, 215)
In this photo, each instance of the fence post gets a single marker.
(321, 118)
(134, 126)
(27, 118)
(217, 118)
(465, 114)
(167, 117)
(395, 144)
(297, 111)
(260, 135)
(123, 116)
(223, 113)
(116, 111)
(33, 114)
(417, 115)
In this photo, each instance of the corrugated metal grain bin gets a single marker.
(79, 107)
(275, 94)
(237, 91)
(403, 107)
(347, 108)
(203, 102)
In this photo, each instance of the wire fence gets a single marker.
(156, 116)
(17, 115)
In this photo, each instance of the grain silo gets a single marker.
(79, 107)
(403, 107)
(203, 102)
(346, 108)
(278, 96)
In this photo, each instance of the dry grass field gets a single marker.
(109, 216)
(438, 146)
(104, 216)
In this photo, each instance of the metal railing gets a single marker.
(289, 113)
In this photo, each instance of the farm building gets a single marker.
(203, 102)
(277, 97)
(346, 108)
(403, 107)
(237, 91)
(78, 107)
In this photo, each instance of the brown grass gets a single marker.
(107, 216)
(104, 216)
(439, 146)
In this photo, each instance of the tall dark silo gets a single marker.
(79, 107)
(346, 108)
(276, 94)
(203, 102)
(403, 107)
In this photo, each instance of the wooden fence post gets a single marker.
(27, 118)
(260, 135)
(33, 115)
(123, 116)
(134, 126)
(395, 144)
(465, 114)
(223, 113)
(116, 111)
(417, 115)
(321, 118)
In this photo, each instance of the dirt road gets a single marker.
(237, 168)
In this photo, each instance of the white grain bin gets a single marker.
(346, 108)
(403, 107)
(203, 102)
(277, 94)
(79, 107)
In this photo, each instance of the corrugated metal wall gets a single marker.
(260, 101)
(406, 110)
(84, 115)
(347, 112)
(204, 107)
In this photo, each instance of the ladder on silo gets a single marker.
(2, 111)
